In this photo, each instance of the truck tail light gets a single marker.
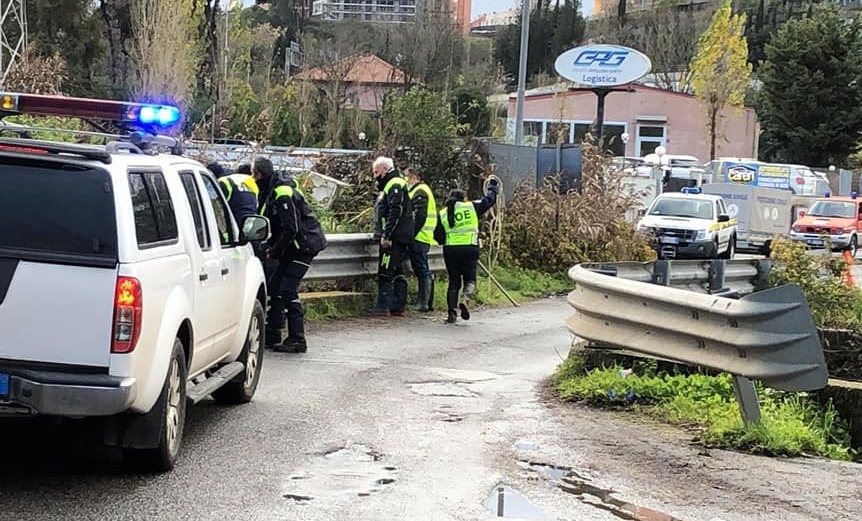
(128, 311)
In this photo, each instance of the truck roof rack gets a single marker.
(35, 146)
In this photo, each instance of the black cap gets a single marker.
(216, 168)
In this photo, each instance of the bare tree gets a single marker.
(37, 74)
(667, 33)
(163, 49)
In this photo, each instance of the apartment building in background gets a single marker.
(389, 11)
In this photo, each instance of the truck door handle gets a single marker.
(225, 271)
(203, 276)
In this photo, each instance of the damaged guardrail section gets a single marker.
(766, 335)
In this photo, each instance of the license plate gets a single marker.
(815, 242)
(4, 384)
(670, 240)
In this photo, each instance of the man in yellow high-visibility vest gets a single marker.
(424, 223)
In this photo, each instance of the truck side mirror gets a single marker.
(723, 218)
(801, 213)
(641, 213)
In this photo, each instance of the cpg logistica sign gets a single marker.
(603, 65)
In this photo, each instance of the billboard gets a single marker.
(758, 174)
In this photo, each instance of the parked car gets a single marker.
(127, 290)
(836, 219)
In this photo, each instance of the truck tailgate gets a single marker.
(55, 313)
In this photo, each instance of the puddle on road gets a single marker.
(552, 472)
(568, 480)
(456, 389)
(526, 446)
(354, 470)
(580, 487)
(506, 501)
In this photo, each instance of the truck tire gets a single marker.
(731, 248)
(171, 411)
(853, 247)
(241, 389)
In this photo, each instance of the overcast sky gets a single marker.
(488, 6)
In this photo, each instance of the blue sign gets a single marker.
(758, 174)
(602, 65)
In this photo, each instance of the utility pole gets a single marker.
(522, 72)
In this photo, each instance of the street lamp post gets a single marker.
(659, 170)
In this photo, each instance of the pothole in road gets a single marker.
(456, 389)
(353, 470)
(569, 481)
(506, 501)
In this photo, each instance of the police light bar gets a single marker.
(143, 114)
(690, 190)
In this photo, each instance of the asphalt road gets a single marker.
(410, 419)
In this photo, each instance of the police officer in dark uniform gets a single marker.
(297, 238)
(396, 215)
(458, 231)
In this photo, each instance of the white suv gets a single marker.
(127, 290)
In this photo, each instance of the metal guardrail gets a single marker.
(737, 277)
(352, 255)
(766, 335)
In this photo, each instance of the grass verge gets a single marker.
(522, 285)
(792, 424)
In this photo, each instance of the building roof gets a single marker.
(564, 88)
(363, 68)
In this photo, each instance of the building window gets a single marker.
(558, 133)
(533, 132)
(649, 138)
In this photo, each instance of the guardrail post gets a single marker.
(746, 397)
(761, 282)
(661, 272)
(716, 276)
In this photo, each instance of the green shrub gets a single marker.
(792, 423)
(834, 303)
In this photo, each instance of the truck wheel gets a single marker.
(731, 248)
(171, 411)
(241, 389)
(853, 247)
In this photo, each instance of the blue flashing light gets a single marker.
(853, 195)
(154, 115)
(827, 194)
(690, 190)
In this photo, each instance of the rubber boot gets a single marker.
(384, 298)
(399, 299)
(295, 341)
(431, 292)
(424, 298)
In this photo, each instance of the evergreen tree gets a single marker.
(810, 102)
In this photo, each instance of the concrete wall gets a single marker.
(682, 115)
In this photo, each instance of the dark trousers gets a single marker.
(283, 285)
(392, 286)
(419, 259)
(461, 263)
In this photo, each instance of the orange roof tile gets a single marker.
(364, 68)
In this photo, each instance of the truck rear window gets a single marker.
(54, 211)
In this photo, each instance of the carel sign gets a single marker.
(603, 65)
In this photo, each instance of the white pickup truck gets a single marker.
(127, 290)
(689, 225)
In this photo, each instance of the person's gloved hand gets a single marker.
(493, 182)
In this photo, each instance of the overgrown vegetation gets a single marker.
(551, 230)
(792, 425)
(834, 303)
